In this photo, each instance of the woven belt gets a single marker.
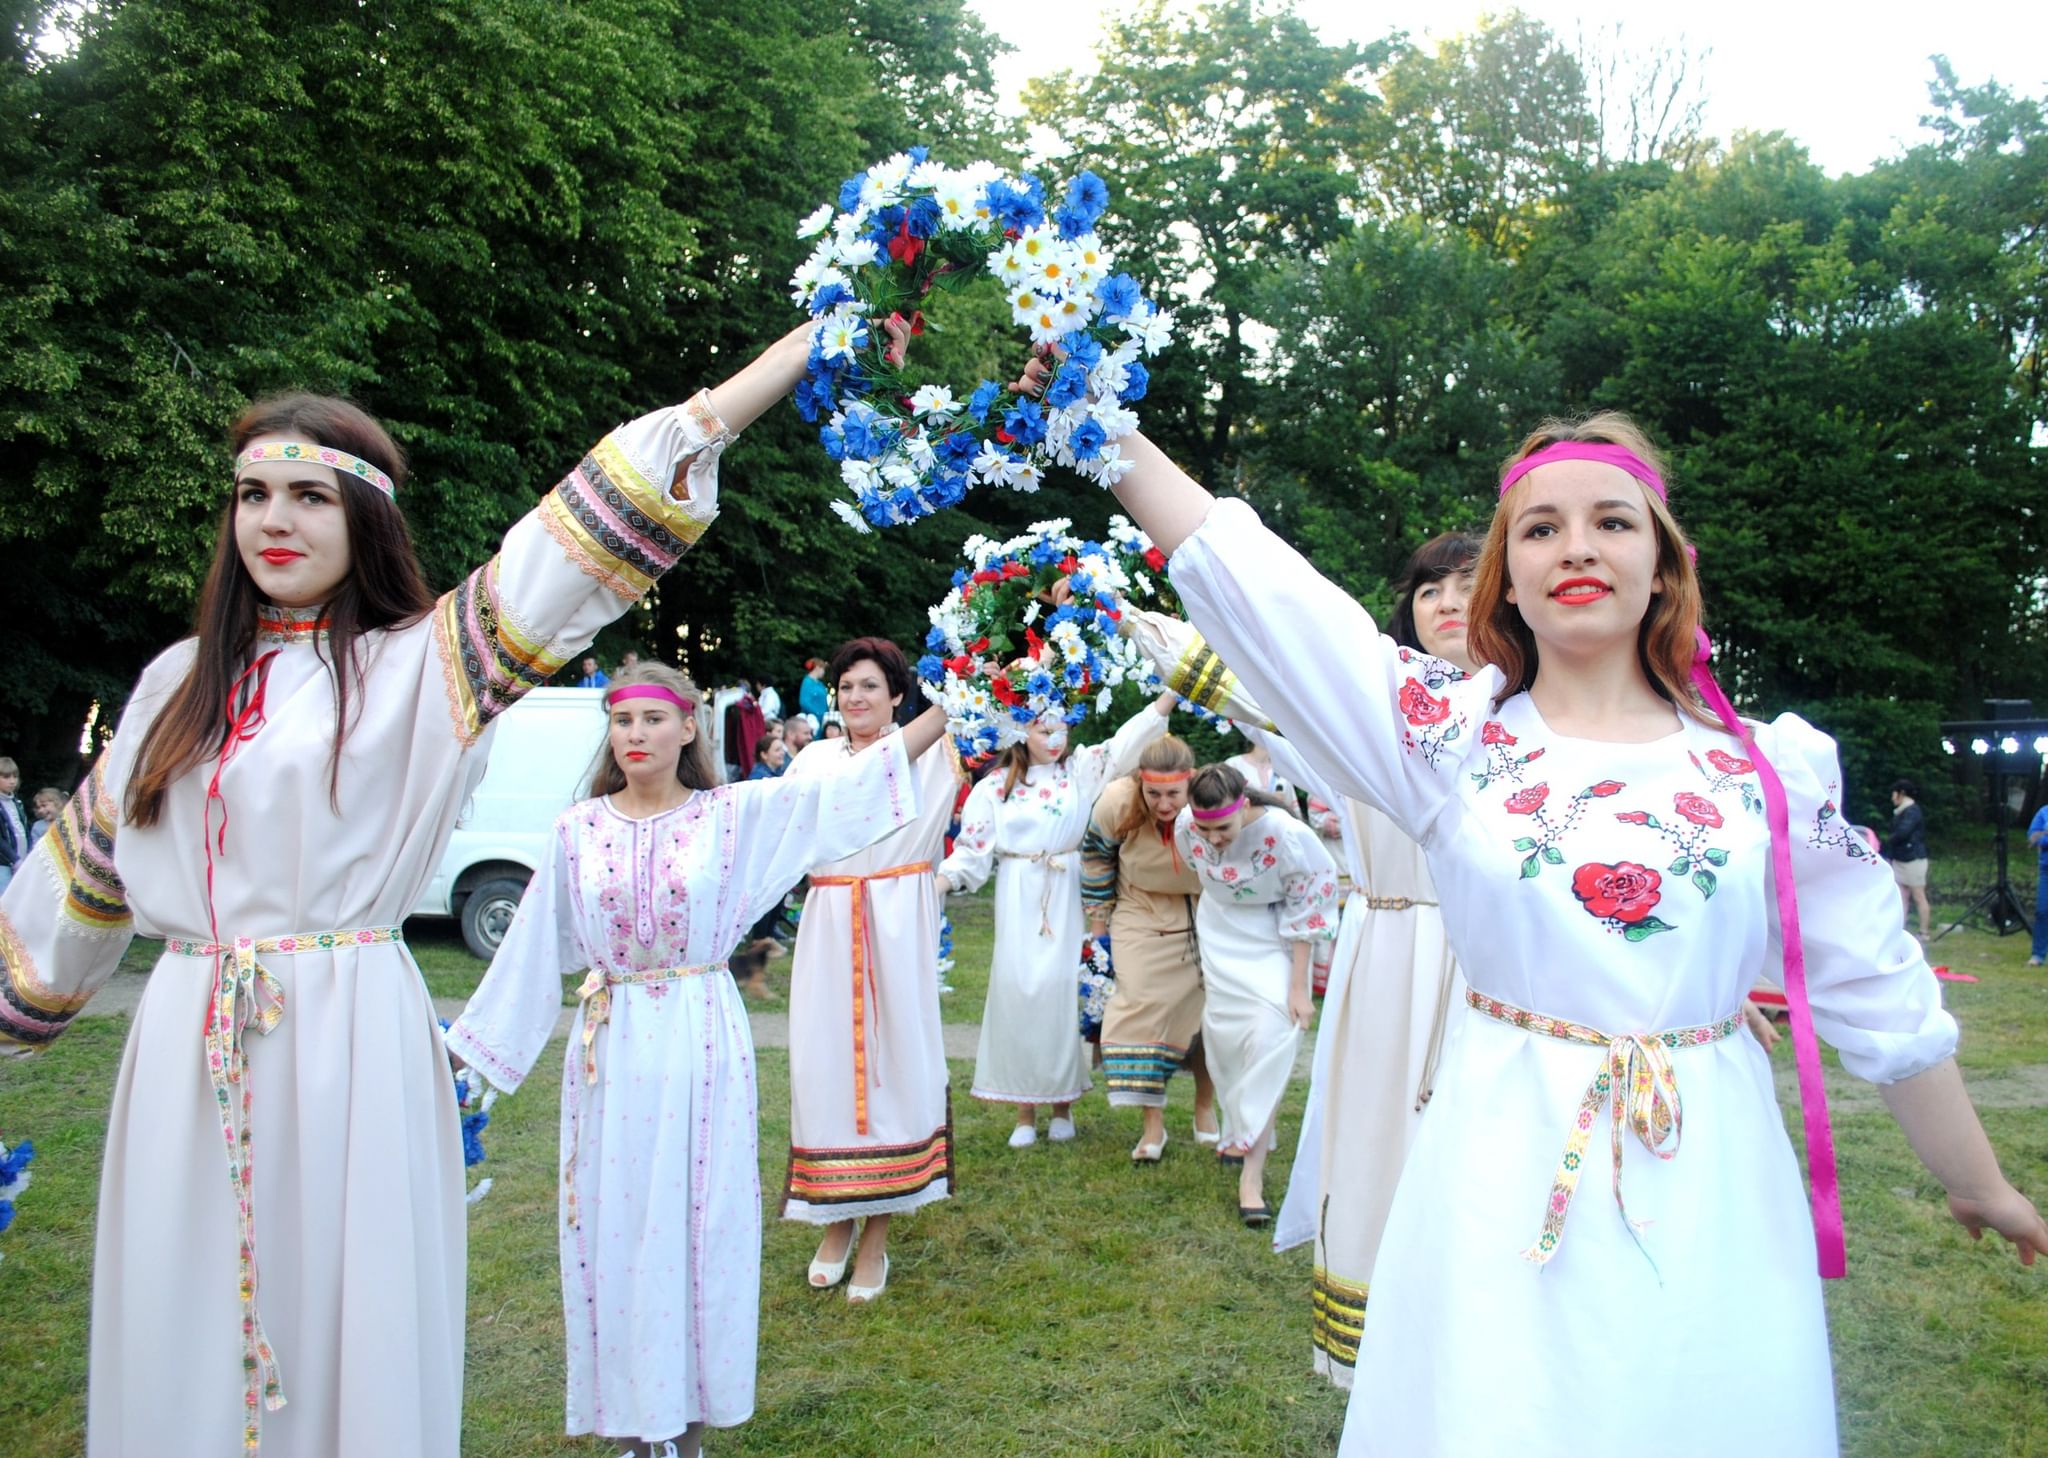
(864, 972)
(1395, 903)
(1637, 1075)
(596, 996)
(247, 997)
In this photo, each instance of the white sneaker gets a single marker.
(1060, 1130)
(1023, 1136)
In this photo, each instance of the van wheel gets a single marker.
(487, 915)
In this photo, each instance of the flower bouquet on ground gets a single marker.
(1098, 981)
(14, 1177)
(473, 1098)
(909, 229)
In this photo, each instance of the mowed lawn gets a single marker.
(1066, 1303)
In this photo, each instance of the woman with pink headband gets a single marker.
(281, 1244)
(1619, 859)
(646, 888)
(1269, 896)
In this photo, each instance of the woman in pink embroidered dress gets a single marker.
(645, 891)
(281, 1230)
(1611, 909)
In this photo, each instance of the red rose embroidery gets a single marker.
(1728, 764)
(1634, 817)
(1623, 892)
(1529, 801)
(1532, 756)
(1495, 732)
(1698, 809)
(1606, 788)
(1422, 707)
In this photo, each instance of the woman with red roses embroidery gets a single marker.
(1612, 904)
(1269, 894)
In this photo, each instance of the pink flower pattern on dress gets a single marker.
(1543, 847)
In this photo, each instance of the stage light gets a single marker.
(1948, 746)
(2041, 745)
(2009, 745)
(1980, 745)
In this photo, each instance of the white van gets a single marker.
(542, 750)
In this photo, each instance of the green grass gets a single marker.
(1066, 1303)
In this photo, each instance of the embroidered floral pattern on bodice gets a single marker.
(1241, 881)
(642, 883)
(1729, 772)
(1832, 832)
(1501, 760)
(1698, 819)
(1433, 725)
(1543, 848)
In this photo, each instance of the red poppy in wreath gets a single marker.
(1623, 892)
(1421, 706)
(1698, 809)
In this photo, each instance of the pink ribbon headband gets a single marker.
(1587, 450)
(650, 691)
(1221, 812)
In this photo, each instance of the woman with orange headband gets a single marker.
(646, 888)
(1620, 859)
(1137, 887)
(1024, 824)
(1269, 895)
(281, 1242)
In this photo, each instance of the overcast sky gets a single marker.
(1849, 82)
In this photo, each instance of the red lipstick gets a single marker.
(1578, 591)
(278, 556)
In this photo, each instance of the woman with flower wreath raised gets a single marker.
(1612, 908)
(646, 888)
(1024, 822)
(870, 1110)
(281, 1239)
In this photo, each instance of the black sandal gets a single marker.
(1254, 1215)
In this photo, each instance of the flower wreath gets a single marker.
(1070, 659)
(908, 226)
(14, 1177)
(1097, 981)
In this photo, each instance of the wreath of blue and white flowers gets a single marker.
(908, 226)
(999, 656)
(14, 1177)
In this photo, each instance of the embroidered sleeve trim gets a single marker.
(82, 853)
(30, 1012)
(489, 663)
(617, 525)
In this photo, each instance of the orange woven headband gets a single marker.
(1166, 777)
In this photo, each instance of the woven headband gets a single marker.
(1165, 777)
(1221, 812)
(650, 691)
(319, 455)
(1587, 450)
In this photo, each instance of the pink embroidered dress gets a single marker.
(296, 1282)
(1607, 901)
(660, 1209)
(1273, 885)
(1031, 1050)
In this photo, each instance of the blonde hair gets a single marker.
(1669, 637)
(1164, 756)
(693, 765)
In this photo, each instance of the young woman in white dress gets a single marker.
(1611, 909)
(281, 1250)
(1024, 821)
(871, 1114)
(1269, 895)
(645, 890)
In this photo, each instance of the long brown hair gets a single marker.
(1668, 638)
(693, 765)
(1164, 756)
(383, 589)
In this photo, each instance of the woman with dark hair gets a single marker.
(870, 1118)
(1023, 823)
(1586, 803)
(281, 1213)
(1269, 894)
(647, 886)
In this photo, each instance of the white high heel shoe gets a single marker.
(827, 1274)
(858, 1295)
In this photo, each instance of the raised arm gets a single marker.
(512, 1014)
(788, 825)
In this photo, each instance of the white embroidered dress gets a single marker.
(1273, 885)
(1623, 887)
(354, 1152)
(1394, 993)
(871, 1118)
(1031, 1050)
(660, 1209)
